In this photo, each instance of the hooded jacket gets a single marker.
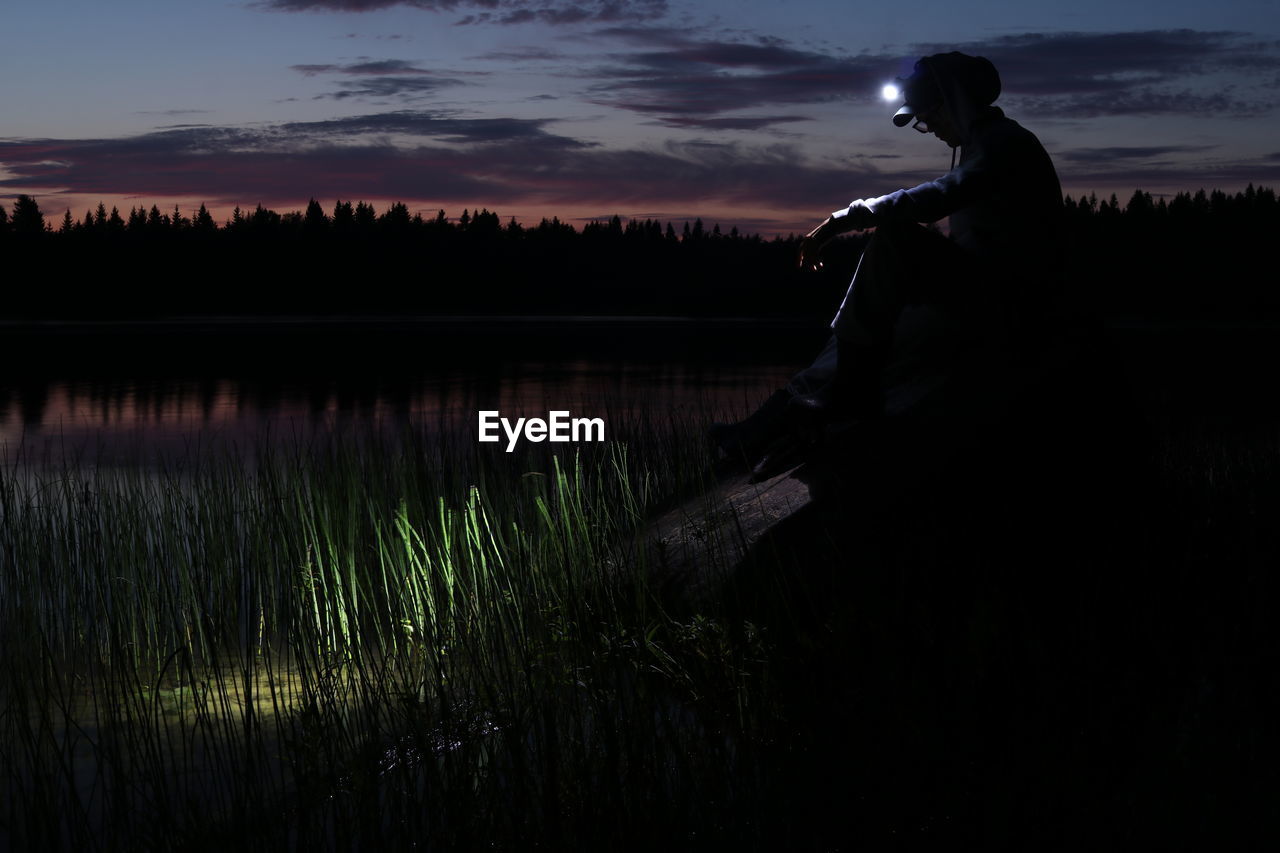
(1003, 196)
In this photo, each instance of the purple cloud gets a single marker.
(731, 122)
(495, 163)
(1145, 101)
(1184, 177)
(686, 82)
(371, 67)
(497, 11)
(382, 88)
(1153, 72)
(439, 126)
(381, 79)
(674, 77)
(1129, 153)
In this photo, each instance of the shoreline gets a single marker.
(320, 322)
(436, 322)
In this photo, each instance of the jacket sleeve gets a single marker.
(932, 200)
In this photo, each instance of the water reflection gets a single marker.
(101, 418)
(156, 387)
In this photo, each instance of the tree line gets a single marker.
(356, 259)
(347, 217)
(1185, 254)
(1195, 255)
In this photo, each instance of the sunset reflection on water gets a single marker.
(135, 419)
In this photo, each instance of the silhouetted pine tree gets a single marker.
(366, 218)
(315, 223)
(27, 220)
(396, 219)
(203, 222)
(264, 222)
(344, 217)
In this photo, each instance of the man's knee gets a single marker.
(908, 247)
(904, 234)
(900, 262)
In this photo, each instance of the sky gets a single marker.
(764, 114)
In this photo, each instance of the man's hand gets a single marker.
(811, 245)
(857, 217)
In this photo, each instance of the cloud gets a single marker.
(1155, 167)
(439, 126)
(731, 123)
(436, 160)
(522, 54)
(1152, 72)
(368, 5)
(1189, 177)
(1145, 101)
(686, 82)
(382, 88)
(1129, 152)
(371, 67)
(381, 79)
(507, 12)
(171, 112)
(668, 74)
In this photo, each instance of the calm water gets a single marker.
(133, 392)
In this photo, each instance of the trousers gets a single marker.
(907, 264)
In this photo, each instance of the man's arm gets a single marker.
(927, 202)
(930, 201)
(998, 155)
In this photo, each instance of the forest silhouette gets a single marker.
(1193, 256)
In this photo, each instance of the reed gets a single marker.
(354, 640)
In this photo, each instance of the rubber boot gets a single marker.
(751, 435)
(786, 453)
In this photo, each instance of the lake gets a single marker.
(129, 391)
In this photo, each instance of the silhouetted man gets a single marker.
(992, 274)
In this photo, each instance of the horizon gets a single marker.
(54, 223)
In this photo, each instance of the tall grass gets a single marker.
(354, 641)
